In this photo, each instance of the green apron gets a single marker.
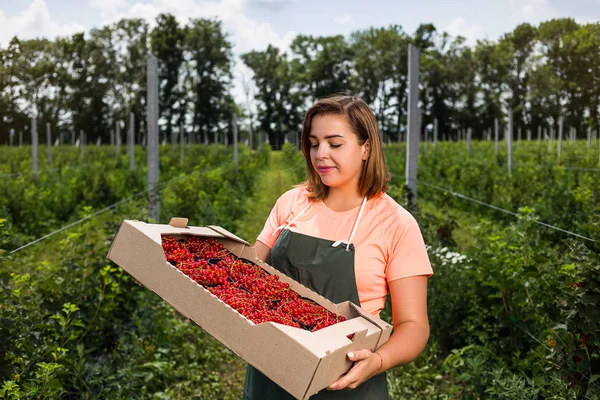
(327, 269)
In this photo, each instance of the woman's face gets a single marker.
(335, 153)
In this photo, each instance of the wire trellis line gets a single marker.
(95, 214)
(462, 196)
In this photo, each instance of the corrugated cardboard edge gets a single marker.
(386, 329)
(227, 234)
(312, 379)
(178, 222)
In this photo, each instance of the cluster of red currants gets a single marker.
(243, 285)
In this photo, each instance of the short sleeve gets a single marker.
(408, 254)
(279, 214)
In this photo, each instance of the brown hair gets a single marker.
(375, 176)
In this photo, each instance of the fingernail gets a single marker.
(350, 355)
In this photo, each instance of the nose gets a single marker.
(322, 151)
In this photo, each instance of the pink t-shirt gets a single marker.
(388, 242)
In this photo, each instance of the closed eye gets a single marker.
(334, 146)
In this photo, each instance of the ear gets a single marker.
(366, 150)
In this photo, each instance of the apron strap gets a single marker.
(281, 227)
(337, 243)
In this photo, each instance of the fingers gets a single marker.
(359, 372)
(358, 355)
(347, 381)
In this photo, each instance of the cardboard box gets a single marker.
(300, 361)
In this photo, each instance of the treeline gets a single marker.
(92, 82)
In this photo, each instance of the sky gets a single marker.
(254, 24)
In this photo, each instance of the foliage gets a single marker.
(75, 326)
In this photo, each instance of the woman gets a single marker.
(341, 235)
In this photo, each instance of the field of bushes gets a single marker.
(513, 305)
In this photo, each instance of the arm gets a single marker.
(411, 332)
(262, 250)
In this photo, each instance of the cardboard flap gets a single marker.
(227, 234)
(178, 222)
(383, 326)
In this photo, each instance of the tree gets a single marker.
(380, 68)
(268, 67)
(519, 44)
(323, 65)
(208, 50)
(440, 95)
(167, 40)
(11, 115)
(493, 66)
(557, 54)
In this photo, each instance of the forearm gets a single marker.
(406, 343)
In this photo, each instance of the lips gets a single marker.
(324, 170)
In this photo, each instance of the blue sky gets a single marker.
(253, 24)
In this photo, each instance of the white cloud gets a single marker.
(343, 19)
(459, 27)
(108, 8)
(35, 21)
(536, 10)
(246, 34)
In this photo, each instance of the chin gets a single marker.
(329, 182)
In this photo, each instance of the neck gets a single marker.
(339, 199)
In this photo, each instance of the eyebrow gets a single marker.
(328, 136)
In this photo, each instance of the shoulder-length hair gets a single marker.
(375, 176)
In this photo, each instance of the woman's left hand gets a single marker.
(366, 365)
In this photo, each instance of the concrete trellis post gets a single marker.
(529, 135)
(181, 144)
(496, 134)
(81, 144)
(469, 135)
(49, 142)
(118, 139)
(131, 141)
(20, 138)
(560, 136)
(425, 135)
(412, 137)
(436, 127)
(519, 134)
(235, 144)
(551, 139)
(152, 128)
(509, 141)
(216, 136)
(190, 138)
(34, 144)
(539, 134)
(589, 137)
(173, 140)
